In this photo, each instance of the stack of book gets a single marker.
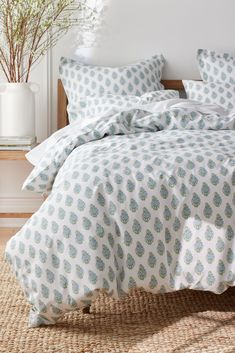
(14, 143)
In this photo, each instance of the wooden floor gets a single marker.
(6, 233)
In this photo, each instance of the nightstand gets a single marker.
(13, 156)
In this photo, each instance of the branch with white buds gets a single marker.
(28, 28)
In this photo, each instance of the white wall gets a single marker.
(140, 28)
(135, 29)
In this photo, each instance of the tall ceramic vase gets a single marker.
(17, 109)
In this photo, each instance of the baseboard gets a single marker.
(19, 204)
(12, 222)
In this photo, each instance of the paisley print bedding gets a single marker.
(143, 198)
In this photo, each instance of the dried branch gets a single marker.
(28, 28)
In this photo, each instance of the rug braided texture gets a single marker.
(180, 322)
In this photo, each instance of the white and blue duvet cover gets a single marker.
(143, 198)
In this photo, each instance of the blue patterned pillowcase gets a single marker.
(94, 106)
(81, 80)
(222, 94)
(216, 67)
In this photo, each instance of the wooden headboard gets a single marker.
(62, 101)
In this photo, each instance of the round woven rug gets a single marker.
(185, 321)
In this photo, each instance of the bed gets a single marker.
(143, 198)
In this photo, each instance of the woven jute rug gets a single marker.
(185, 321)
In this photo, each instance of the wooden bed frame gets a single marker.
(62, 115)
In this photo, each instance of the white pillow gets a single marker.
(81, 80)
(222, 94)
(216, 67)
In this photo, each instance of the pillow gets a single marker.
(222, 94)
(215, 67)
(95, 106)
(86, 80)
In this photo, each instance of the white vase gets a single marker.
(17, 109)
